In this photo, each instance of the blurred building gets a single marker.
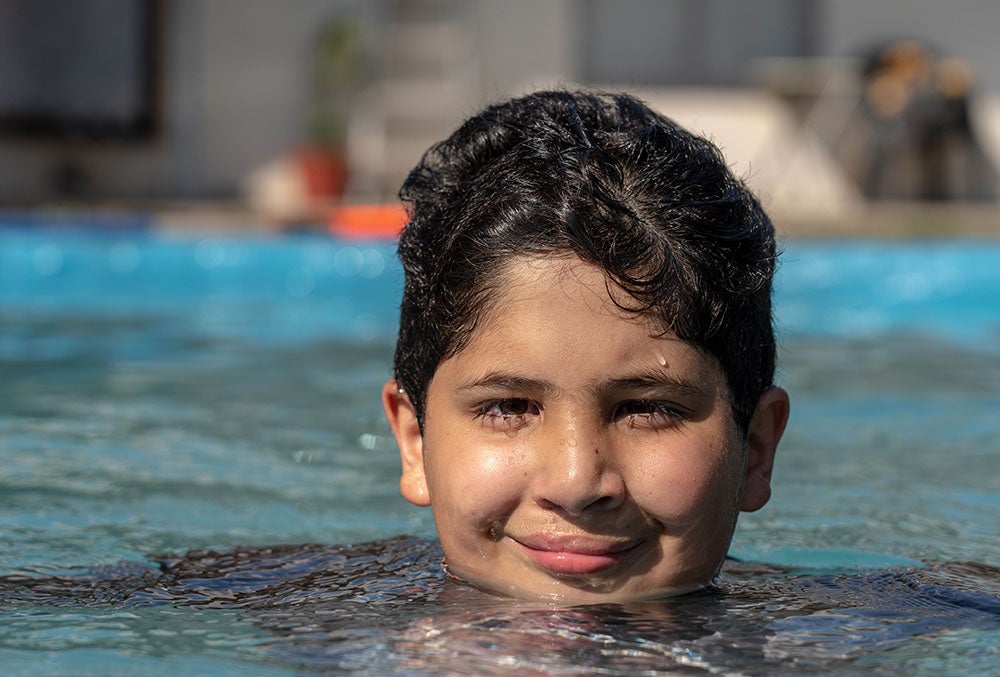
(183, 100)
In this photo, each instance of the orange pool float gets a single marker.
(367, 222)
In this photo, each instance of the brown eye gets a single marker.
(648, 413)
(508, 415)
(508, 408)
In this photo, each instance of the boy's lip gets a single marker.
(574, 555)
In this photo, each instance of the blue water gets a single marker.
(167, 393)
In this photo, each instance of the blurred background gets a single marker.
(178, 373)
(845, 115)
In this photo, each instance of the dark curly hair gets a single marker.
(604, 177)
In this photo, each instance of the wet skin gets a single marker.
(573, 451)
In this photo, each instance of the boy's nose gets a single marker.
(577, 475)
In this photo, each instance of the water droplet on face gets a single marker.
(661, 359)
(571, 441)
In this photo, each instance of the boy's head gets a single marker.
(583, 276)
(616, 184)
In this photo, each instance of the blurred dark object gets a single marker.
(68, 180)
(922, 143)
(84, 70)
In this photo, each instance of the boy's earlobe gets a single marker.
(765, 432)
(402, 419)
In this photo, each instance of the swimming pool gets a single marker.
(167, 393)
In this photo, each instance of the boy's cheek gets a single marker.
(477, 476)
(683, 484)
(474, 479)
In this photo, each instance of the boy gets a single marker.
(583, 379)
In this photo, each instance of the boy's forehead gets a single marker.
(559, 298)
(562, 297)
(527, 280)
(556, 326)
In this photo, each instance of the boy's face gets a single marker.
(572, 452)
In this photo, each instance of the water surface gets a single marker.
(165, 395)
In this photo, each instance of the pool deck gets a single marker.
(876, 220)
(899, 220)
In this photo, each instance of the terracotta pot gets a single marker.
(323, 170)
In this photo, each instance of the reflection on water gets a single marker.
(388, 606)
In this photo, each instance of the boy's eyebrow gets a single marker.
(502, 380)
(645, 380)
(650, 380)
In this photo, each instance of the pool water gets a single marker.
(162, 394)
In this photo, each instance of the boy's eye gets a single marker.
(651, 413)
(509, 407)
(509, 413)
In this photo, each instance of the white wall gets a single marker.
(526, 44)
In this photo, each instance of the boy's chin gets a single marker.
(554, 590)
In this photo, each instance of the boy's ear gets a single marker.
(766, 427)
(402, 419)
